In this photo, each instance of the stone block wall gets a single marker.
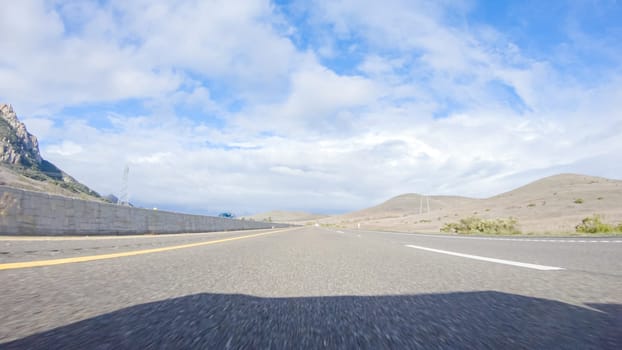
(35, 213)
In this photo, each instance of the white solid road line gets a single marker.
(556, 240)
(483, 258)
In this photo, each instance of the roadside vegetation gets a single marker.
(48, 172)
(594, 224)
(477, 225)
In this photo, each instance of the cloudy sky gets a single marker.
(324, 106)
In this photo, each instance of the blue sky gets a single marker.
(325, 106)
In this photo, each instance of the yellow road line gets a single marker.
(97, 237)
(39, 263)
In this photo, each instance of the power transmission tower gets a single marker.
(125, 197)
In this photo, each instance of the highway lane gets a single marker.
(595, 255)
(316, 288)
(25, 248)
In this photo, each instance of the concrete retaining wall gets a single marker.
(35, 213)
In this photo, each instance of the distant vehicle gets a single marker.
(227, 215)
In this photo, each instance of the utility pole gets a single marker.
(427, 200)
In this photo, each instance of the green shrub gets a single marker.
(578, 201)
(476, 225)
(531, 205)
(35, 175)
(594, 224)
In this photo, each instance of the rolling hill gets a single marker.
(552, 204)
(294, 217)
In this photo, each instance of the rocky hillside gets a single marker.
(22, 165)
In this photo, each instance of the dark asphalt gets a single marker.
(312, 288)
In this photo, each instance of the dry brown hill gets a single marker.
(406, 204)
(295, 217)
(553, 204)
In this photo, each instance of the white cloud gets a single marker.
(46, 67)
(65, 149)
(40, 127)
(468, 155)
(230, 40)
(154, 158)
(303, 136)
(63, 55)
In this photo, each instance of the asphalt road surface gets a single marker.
(310, 287)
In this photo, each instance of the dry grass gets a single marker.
(544, 206)
(8, 177)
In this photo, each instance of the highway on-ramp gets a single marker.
(310, 287)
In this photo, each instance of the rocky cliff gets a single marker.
(20, 154)
(19, 147)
